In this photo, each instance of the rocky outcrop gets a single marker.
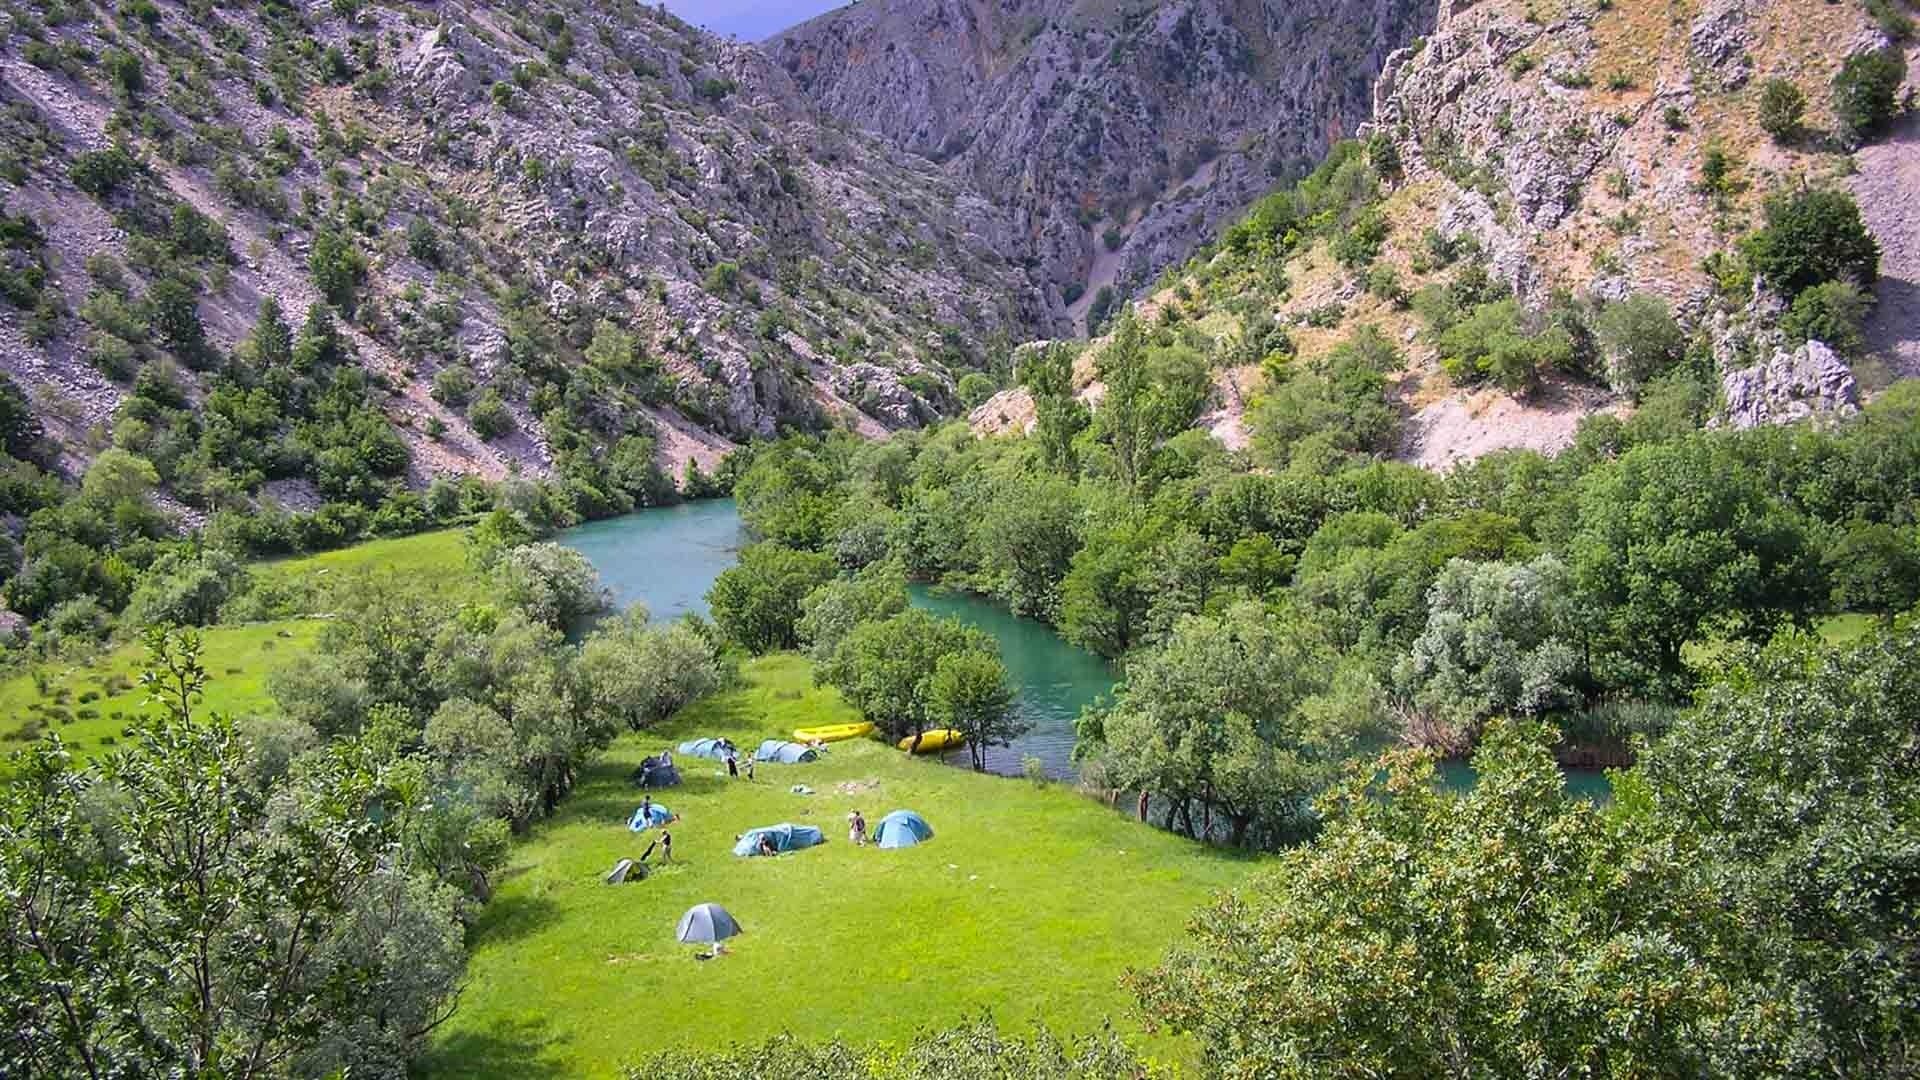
(1158, 123)
(1793, 384)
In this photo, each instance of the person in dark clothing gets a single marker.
(733, 766)
(766, 845)
(666, 845)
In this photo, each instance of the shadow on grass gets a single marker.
(509, 918)
(515, 1050)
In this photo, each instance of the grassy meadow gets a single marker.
(90, 697)
(1030, 901)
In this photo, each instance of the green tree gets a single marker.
(1217, 719)
(1028, 536)
(969, 693)
(489, 415)
(187, 923)
(886, 669)
(829, 613)
(639, 675)
(1811, 236)
(1832, 312)
(1499, 640)
(1866, 91)
(1677, 542)
(337, 266)
(756, 602)
(553, 584)
(1641, 339)
(1059, 416)
(1426, 934)
(1791, 790)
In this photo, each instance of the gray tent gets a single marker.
(786, 753)
(706, 922)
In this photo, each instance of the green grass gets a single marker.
(1028, 901)
(237, 659)
(437, 560)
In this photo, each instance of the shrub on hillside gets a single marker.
(1811, 236)
(1831, 312)
(489, 416)
(1865, 91)
(1782, 107)
(1641, 339)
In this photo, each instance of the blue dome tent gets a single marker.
(706, 922)
(647, 817)
(902, 828)
(786, 753)
(656, 772)
(782, 837)
(715, 749)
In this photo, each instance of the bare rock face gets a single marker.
(1155, 124)
(1793, 385)
(1719, 40)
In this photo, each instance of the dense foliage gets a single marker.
(1578, 589)
(1746, 907)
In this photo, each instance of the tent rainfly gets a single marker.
(783, 837)
(715, 749)
(646, 817)
(902, 828)
(786, 753)
(707, 923)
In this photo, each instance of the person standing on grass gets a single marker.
(733, 765)
(749, 770)
(666, 845)
(646, 809)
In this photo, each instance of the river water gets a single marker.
(667, 559)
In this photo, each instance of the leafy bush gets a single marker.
(1782, 105)
(1361, 243)
(1865, 91)
(1641, 339)
(489, 416)
(186, 589)
(101, 172)
(975, 388)
(1831, 312)
(1811, 236)
(337, 266)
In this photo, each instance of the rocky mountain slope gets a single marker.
(615, 225)
(1120, 134)
(1570, 156)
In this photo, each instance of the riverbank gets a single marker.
(1034, 895)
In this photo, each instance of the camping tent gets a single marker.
(786, 753)
(707, 922)
(705, 748)
(902, 828)
(656, 772)
(655, 815)
(784, 838)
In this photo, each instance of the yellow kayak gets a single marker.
(932, 742)
(832, 732)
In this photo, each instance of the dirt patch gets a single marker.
(1463, 425)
